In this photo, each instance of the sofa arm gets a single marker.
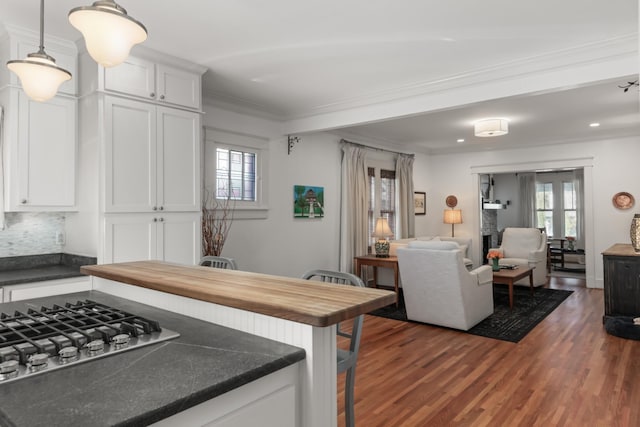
(537, 256)
(483, 275)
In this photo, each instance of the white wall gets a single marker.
(281, 244)
(614, 169)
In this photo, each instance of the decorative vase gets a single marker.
(635, 232)
(570, 247)
(495, 266)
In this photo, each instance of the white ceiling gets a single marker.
(304, 61)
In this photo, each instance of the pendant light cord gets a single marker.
(41, 50)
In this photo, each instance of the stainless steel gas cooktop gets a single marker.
(40, 341)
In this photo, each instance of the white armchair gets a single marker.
(439, 290)
(526, 247)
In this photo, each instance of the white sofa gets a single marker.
(526, 247)
(463, 242)
(439, 290)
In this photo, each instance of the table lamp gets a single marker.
(382, 231)
(452, 216)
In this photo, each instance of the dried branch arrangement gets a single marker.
(217, 217)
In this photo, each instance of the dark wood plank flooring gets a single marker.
(566, 372)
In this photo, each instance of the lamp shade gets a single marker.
(452, 216)
(39, 75)
(491, 127)
(382, 229)
(109, 33)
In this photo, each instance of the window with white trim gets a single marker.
(544, 206)
(235, 167)
(382, 198)
(235, 174)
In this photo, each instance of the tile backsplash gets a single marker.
(31, 233)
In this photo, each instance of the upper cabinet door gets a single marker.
(178, 158)
(155, 82)
(130, 156)
(178, 87)
(46, 155)
(134, 77)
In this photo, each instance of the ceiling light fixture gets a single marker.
(491, 127)
(460, 141)
(38, 73)
(109, 33)
(594, 125)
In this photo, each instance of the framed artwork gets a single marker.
(308, 201)
(420, 202)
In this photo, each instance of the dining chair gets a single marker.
(219, 262)
(346, 358)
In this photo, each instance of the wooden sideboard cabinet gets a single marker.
(621, 281)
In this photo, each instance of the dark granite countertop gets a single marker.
(38, 268)
(143, 385)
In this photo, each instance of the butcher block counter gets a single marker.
(293, 311)
(304, 301)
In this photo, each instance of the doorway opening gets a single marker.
(550, 200)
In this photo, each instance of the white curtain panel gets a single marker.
(2, 220)
(354, 209)
(578, 187)
(527, 184)
(406, 207)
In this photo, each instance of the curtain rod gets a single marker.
(344, 141)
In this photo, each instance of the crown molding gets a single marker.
(563, 59)
(240, 106)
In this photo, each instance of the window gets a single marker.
(544, 206)
(235, 175)
(557, 204)
(569, 206)
(235, 167)
(382, 198)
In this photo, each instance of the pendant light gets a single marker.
(38, 73)
(108, 31)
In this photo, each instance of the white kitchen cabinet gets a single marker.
(46, 288)
(173, 237)
(152, 157)
(267, 402)
(40, 153)
(154, 82)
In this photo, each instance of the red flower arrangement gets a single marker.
(494, 254)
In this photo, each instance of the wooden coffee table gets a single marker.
(509, 277)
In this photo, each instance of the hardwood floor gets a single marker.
(566, 372)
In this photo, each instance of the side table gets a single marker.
(375, 262)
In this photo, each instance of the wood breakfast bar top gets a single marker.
(304, 301)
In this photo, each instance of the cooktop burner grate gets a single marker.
(39, 341)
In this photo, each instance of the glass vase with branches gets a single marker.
(217, 217)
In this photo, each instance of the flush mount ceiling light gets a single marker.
(491, 127)
(38, 73)
(109, 33)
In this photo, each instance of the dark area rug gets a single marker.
(504, 324)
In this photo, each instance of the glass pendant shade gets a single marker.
(38, 72)
(39, 75)
(108, 31)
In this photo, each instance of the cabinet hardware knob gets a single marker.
(161, 96)
(155, 219)
(161, 219)
(161, 208)
(152, 95)
(23, 201)
(155, 208)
